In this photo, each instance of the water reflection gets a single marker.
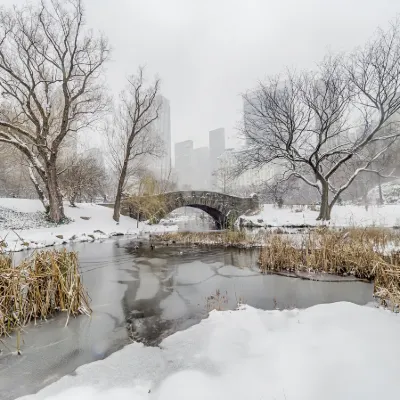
(191, 219)
(172, 284)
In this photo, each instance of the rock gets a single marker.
(117, 234)
(135, 314)
(60, 236)
(85, 218)
(99, 232)
(74, 237)
(92, 237)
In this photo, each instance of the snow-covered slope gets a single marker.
(330, 352)
(97, 223)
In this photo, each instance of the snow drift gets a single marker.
(330, 352)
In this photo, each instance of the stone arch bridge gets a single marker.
(224, 209)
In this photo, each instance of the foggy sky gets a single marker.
(209, 51)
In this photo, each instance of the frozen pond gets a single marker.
(148, 294)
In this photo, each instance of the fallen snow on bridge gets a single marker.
(334, 351)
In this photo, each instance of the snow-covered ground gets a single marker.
(390, 193)
(349, 215)
(23, 227)
(334, 351)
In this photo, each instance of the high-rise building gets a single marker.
(184, 163)
(217, 147)
(161, 166)
(201, 168)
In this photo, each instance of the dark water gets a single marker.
(145, 295)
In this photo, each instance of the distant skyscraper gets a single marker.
(184, 163)
(161, 166)
(201, 168)
(217, 147)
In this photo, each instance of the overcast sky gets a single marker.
(207, 52)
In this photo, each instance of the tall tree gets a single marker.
(132, 140)
(315, 124)
(51, 84)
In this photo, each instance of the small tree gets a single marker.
(148, 201)
(277, 189)
(224, 177)
(51, 86)
(131, 140)
(83, 179)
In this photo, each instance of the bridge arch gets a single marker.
(223, 209)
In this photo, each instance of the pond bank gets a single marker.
(145, 295)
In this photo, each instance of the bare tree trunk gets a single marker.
(118, 197)
(39, 190)
(72, 200)
(56, 206)
(325, 210)
(380, 190)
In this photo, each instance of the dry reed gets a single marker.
(218, 238)
(362, 253)
(44, 284)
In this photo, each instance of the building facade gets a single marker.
(217, 148)
(184, 163)
(201, 168)
(161, 129)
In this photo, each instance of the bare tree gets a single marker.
(224, 177)
(14, 180)
(50, 80)
(277, 190)
(314, 124)
(83, 179)
(131, 140)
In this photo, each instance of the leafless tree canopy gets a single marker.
(327, 126)
(51, 86)
(224, 177)
(83, 179)
(131, 139)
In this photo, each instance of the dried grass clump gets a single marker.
(38, 287)
(359, 252)
(219, 238)
(5, 262)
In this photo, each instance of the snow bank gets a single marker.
(97, 223)
(330, 352)
(385, 216)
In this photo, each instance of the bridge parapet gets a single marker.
(223, 208)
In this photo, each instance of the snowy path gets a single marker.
(330, 352)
